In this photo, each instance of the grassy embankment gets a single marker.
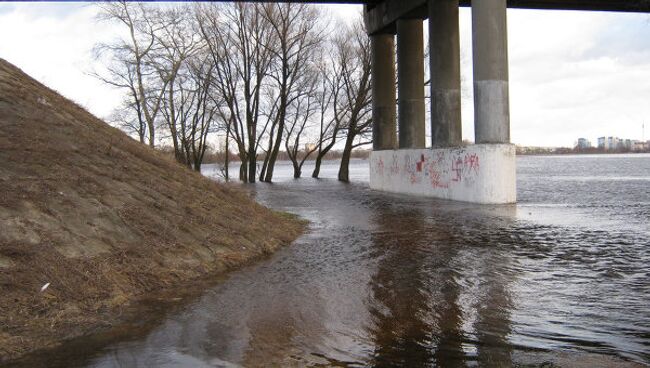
(103, 219)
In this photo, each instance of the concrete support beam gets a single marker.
(478, 173)
(444, 59)
(384, 132)
(410, 90)
(490, 54)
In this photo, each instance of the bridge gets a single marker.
(484, 172)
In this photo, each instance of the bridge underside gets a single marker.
(400, 162)
(604, 5)
(382, 15)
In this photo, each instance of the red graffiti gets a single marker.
(471, 162)
(419, 164)
(394, 166)
(457, 168)
(380, 167)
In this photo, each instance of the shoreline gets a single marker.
(132, 318)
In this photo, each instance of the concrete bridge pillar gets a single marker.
(481, 173)
(490, 54)
(444, 59)
(410, 88)
(384, 132)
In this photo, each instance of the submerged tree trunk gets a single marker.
(243, 172)
(273, 154)
(297, 170)
(252, 164)
(344, 170)
(317, 163)
(320, 157)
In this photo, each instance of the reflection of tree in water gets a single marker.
(417, 314)
(493, 308)
(284, 326)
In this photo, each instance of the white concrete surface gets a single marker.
(480, 173)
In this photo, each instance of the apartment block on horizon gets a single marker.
(583, 143)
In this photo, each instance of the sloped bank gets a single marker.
(103, 220)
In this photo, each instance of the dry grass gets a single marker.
(103, 219)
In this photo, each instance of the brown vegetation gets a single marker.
(103, 219)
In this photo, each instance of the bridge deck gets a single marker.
(602, 5)
(381, 14)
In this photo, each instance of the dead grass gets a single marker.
(103, 219)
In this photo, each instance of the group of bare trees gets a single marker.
(267, 77)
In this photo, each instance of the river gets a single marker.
(562, 279)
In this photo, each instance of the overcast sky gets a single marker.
(572, 74)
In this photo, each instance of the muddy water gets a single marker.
(561, 278)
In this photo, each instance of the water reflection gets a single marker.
(401, 330)
(387, 280)
(437, 303)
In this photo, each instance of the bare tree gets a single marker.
(130, 65)
(301, 115)
(330, 111)
(294, 45)
(129, 118)
(237, 35)
(178, 44)
(263, 74)
(354, 57)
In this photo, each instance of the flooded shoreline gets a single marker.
(560, 279)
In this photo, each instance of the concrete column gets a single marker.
(410, 88)
(384, 132)
(490, 49)
(444, 61)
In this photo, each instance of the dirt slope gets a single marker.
(103, 219)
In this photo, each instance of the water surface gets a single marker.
(394, 280)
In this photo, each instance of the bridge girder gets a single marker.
(380, 16)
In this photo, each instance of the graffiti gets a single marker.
(471, 162)
(437, 169)
(465, 167)
(457, 168)
(380, 167)
(411, 169)
(394, 166)
(435, 176)
(419, 164)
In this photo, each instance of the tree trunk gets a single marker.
(152, 136)
(274, 153)
(225, 168)
(243, 171)
(344, 170)
(317, 163)
(252, 164)
(319, 159)
(297, 170)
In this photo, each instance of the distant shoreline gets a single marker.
(579, 153)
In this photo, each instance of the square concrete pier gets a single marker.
(480, 173)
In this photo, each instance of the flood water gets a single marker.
(392, 280)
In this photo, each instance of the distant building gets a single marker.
(627, 144)
(640, 146)
(583, 143)
(602, 142)
(612, 143)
